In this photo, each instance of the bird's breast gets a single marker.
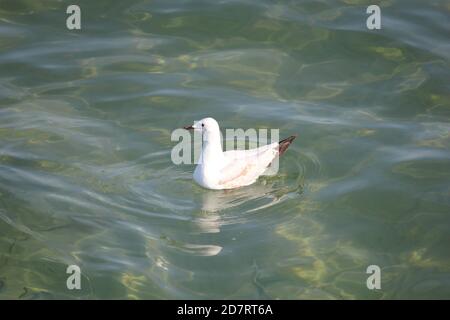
(206, 176)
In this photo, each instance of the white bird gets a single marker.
(235, 168)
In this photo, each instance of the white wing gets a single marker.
(243, 167)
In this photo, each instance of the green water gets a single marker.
(86, 176)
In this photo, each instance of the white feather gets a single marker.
(230, 169)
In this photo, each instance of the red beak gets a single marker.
(189, 128)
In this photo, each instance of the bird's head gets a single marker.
(208, 127)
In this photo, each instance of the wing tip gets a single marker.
(284, 144)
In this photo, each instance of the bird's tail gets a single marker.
(284, 144)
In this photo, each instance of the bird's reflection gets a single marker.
(215, 206)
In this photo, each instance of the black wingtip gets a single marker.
(284, 144)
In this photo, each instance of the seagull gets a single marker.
(218, 170)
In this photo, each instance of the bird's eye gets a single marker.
(203, 124)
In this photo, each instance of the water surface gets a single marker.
(86, 176)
